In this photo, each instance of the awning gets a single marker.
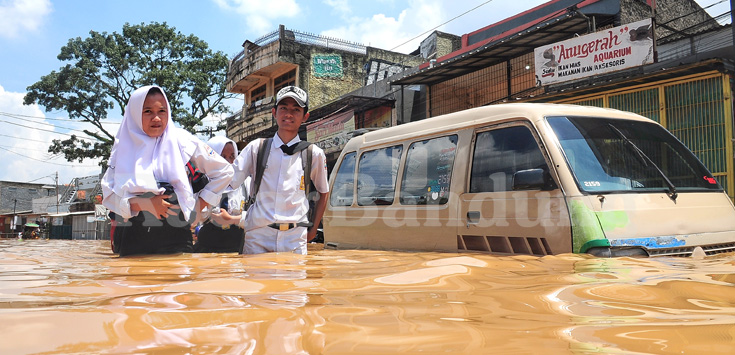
(550, 31)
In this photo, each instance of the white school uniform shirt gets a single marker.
(281, 197)
(218, 171)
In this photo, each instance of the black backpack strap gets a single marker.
(306, 159)
(306, 164)
(300, 146)
(261, 162)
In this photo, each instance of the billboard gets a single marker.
(380, 117)
(332, 134)
(601, 52)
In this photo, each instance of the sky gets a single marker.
(32, 33)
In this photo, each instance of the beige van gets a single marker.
(523, 178)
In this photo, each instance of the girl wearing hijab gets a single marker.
(146, 184)
(224, 232)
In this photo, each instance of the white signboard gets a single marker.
(596, 53)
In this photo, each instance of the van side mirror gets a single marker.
(533, 179)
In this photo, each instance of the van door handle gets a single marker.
(473, 217)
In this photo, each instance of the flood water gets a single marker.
(76, 297)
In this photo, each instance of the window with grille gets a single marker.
(284, 80)
(257, 94)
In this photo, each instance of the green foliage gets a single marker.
(101, 72)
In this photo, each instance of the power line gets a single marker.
(49, 162)
(448, 21)
(43, 177)
(45, 130)
(23, 138)
(42, 123)
(54, 119)
(25, 148)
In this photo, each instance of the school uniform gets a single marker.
(215, 238)
(280, 198)
(143, 166)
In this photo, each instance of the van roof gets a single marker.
(479, 116)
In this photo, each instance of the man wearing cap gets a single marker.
(277, 221)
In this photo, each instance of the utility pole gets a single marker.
(15, 223)
(653, 30)
(57, 192)
(732, 16)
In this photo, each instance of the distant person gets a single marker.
(224, 231)
(147, 185)
(277, 220)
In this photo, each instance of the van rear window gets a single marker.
(376, 176)
(428, 171)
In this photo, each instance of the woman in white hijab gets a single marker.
(146, 184)
(224, 232)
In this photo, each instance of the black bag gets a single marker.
(197, 179)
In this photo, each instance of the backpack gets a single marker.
(306, 150)
(197, 179)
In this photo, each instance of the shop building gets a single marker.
(683, 82)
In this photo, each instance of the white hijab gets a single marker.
(218, 143)
(138, 162)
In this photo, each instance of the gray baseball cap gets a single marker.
(293, 92)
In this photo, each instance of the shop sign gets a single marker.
(597, 53)
(327, 65)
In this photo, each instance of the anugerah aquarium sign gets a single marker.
(605, 51)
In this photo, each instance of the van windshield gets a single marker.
(616, 155)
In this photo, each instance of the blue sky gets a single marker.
(33, 31)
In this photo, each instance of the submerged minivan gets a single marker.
(527, 178)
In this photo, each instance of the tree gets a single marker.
(104, 69)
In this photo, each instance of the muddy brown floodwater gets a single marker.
(76, 297)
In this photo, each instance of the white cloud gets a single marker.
(260, 14)
(389, 32)
(416, 20)
(340, 6)
(19, 16)
(24, 150)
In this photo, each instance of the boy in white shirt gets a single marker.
(277, 221)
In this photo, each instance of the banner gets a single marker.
(332, 134)
(378, 117)
(605, 51)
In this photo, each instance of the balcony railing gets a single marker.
(305, 38)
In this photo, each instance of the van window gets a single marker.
(376, 176)
(343, 191)
(499, 154)
(428, 171)
(609, 155)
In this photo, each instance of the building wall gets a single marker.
(326, 68)
(18, 196)
(669, 12)
(490, 85)
(485, 86)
